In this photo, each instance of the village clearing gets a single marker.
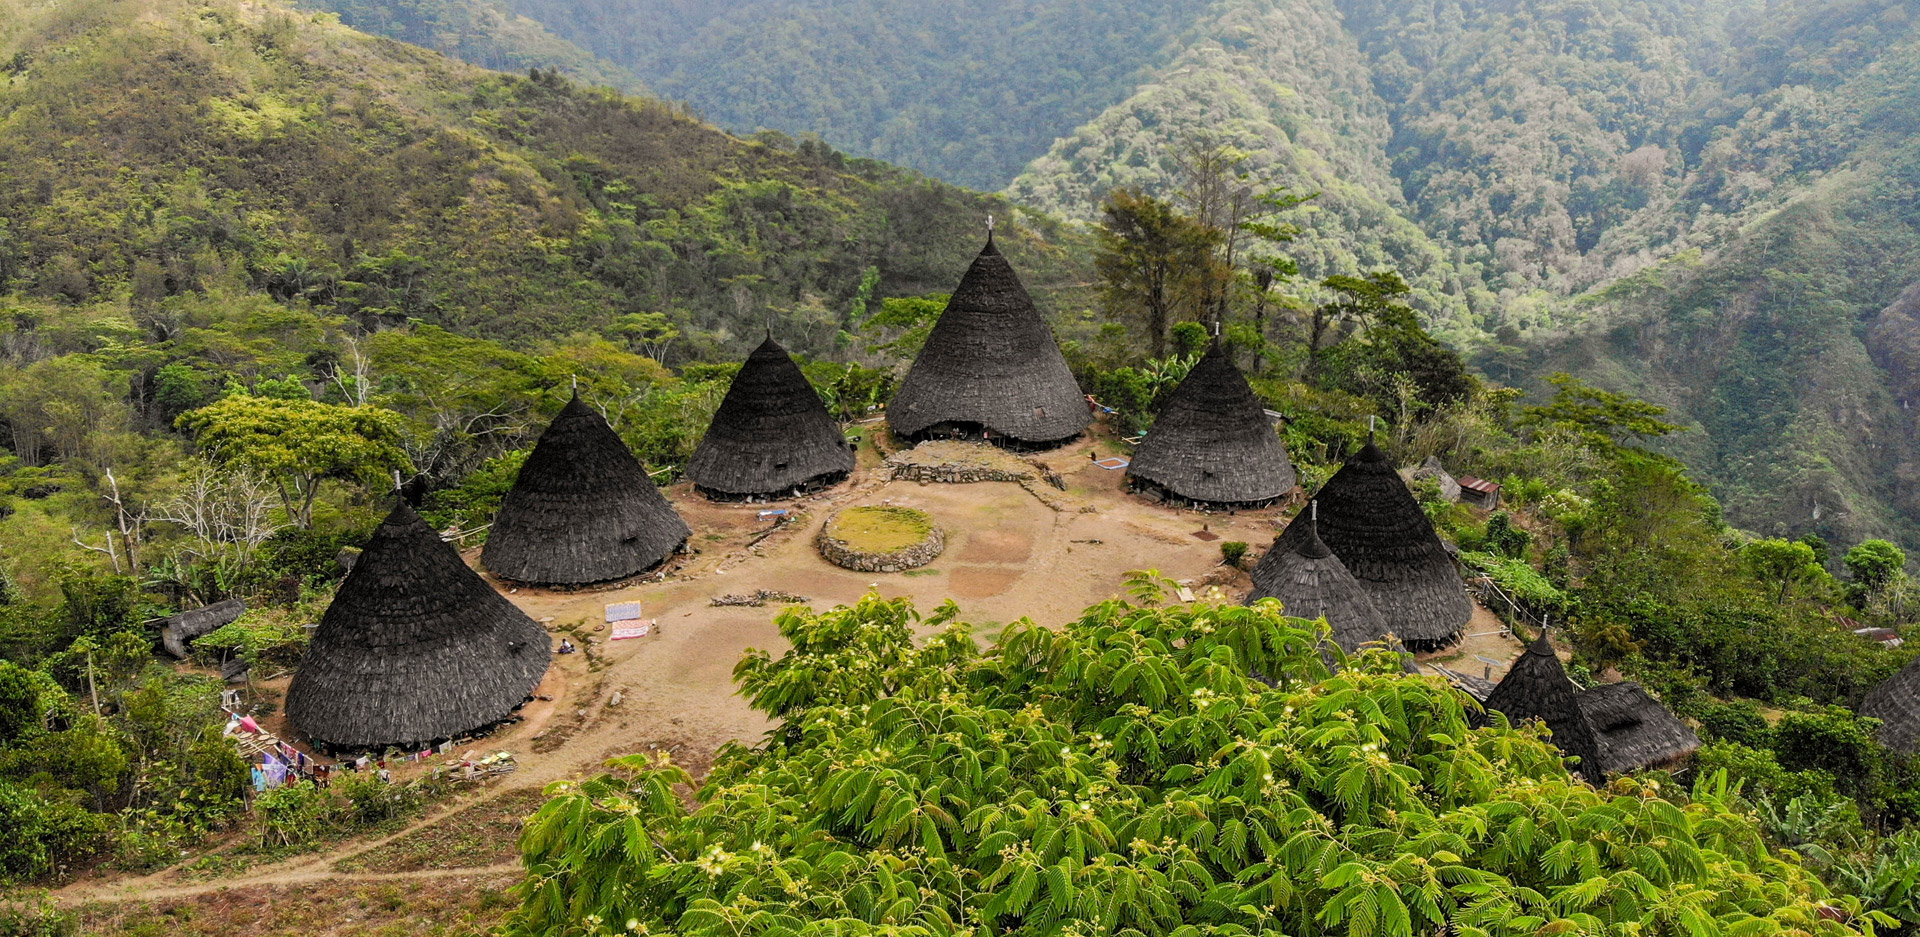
(1014, 549)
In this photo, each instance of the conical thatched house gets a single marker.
(1211, 442)
(1612, 729)
(582, 510)
(1896, 703)
(1370, 521)
(771, 435)
(415, 647)
(990, 368)
(1311, 582)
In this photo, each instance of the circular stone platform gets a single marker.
(878, 539)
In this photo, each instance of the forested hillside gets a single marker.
(487, 33)
(967, 91)
(268, 152)
(1697, 199)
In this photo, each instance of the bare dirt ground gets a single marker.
(1009, 555)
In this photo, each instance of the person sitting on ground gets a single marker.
(566, 646)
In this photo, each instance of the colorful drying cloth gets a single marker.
(623, 611)
(633, 629)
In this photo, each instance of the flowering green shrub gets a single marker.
(1127, 775)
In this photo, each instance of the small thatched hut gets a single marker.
(1311, 582)
(1370, 521)
(1896, 703)
(582, 510)
(1212, 443)
(415, 647)
(1612, 729)
(771, 435)
(990, 369)
(1449, 486)
(177, 634)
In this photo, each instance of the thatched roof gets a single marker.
(991, 363)
(1311, 582)
(1370, 521)
(1537, 687)
(1449, 486)
(1896, 703)
(1612, 728)
(415, 647)
(582, 510)
(771, 434)
(179, 631)
(1211, 440)
(1634, 730)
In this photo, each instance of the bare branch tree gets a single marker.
(130, 524)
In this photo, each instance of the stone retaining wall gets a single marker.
(920, 554)
(954, 474)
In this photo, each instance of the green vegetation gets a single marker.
(1127, 774)
(309, 259)
(880, 529)
(1698, 202)
(966, 93)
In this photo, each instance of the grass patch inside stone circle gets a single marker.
(876, 529)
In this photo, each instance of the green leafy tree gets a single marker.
(1608, 419)
(1152, 260)
(1874, 564)
(900, 326)
(1782, 564)
(1128, 774)
(1394, 362)
(300, 444)
(19, 702)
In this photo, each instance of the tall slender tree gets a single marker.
(1153, 263)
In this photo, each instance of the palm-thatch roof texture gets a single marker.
(1370, 521)
(1311, 582)
(771, 434)
(1634, 730)
(990, 364)
(179, 631)
(1896, 703)
(1212, 442)
(1611, 728)
(1537, 687)
(415, 647)
(582, 510)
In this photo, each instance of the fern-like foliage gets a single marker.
(1127, 775)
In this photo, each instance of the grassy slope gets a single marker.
(162, 145)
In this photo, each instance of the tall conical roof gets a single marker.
(415, 647)
(1211, 440)
(1613, 728)
(991, 361)
(582, 510)
(1369, 519)
(1537, 687)
(1311, 582)
(771, 433)
(1896, 703)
